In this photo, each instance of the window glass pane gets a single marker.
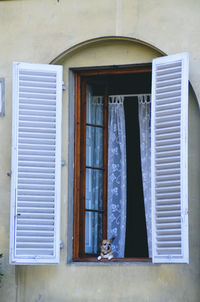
(94, 108)
(93, 232)
(94, 147)
(94, 189)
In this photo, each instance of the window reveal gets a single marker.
(95, 176)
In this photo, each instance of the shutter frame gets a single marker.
(39, 99)
(183, 257)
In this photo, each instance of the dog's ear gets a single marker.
(112, 239)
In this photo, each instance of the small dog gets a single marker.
(106, 249)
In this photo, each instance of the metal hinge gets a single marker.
(63, 162)
(63, 86)
(184, 213)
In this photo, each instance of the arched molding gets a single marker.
(107, 39)
(100, 40)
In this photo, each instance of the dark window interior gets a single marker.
(136, 234)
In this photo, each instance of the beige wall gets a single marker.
(40, 31)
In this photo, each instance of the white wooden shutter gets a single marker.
(36, 164)
(170, 159)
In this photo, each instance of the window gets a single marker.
(36, 161)
(95, 89)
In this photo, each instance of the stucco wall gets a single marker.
(40, 31)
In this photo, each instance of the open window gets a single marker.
(36, 161)
(146, 209)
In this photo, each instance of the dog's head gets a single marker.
(106, 247)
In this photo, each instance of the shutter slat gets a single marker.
(37, 158)
(40, 233)
(169, 159)
(29, 101)
(45, 90)
(162, 238)
(167, 112)
(167, 207)
(38, 107)
(37, 175)
(37, 84)
(169, 65)
(27, 209)
(167, 213)
(23, 215)
(169, 101)
(168, 71)
(36, 135)
(164, 95)
(171, 232)
(174, 183)
(32, 112)
(44, 119)
(36, 163)
(168, 154)
(167, 124)
(36, 205)
(36, 228)
(167, 201)
(37, 95)
(168, 76)
(169, 83)
(29, 147)
(33, 222)
(163, 109)
(35, 181)
(167, 87)
(34, 239)
(167, 130)
(36, 170)
(168, 226)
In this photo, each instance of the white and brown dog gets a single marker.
(106, 249)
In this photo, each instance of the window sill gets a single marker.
(113, 260)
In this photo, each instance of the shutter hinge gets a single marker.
(17, 215)
(61, 244)
(182, 217)
(9, 174)
(184, 213)
(63, 86)
(63, 163)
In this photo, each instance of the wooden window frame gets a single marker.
(80, 78)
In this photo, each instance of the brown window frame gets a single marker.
(81, 76)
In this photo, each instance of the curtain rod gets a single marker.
(130, 95)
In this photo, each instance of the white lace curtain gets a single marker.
(116, 171)
(144, 110)
(117, 175)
